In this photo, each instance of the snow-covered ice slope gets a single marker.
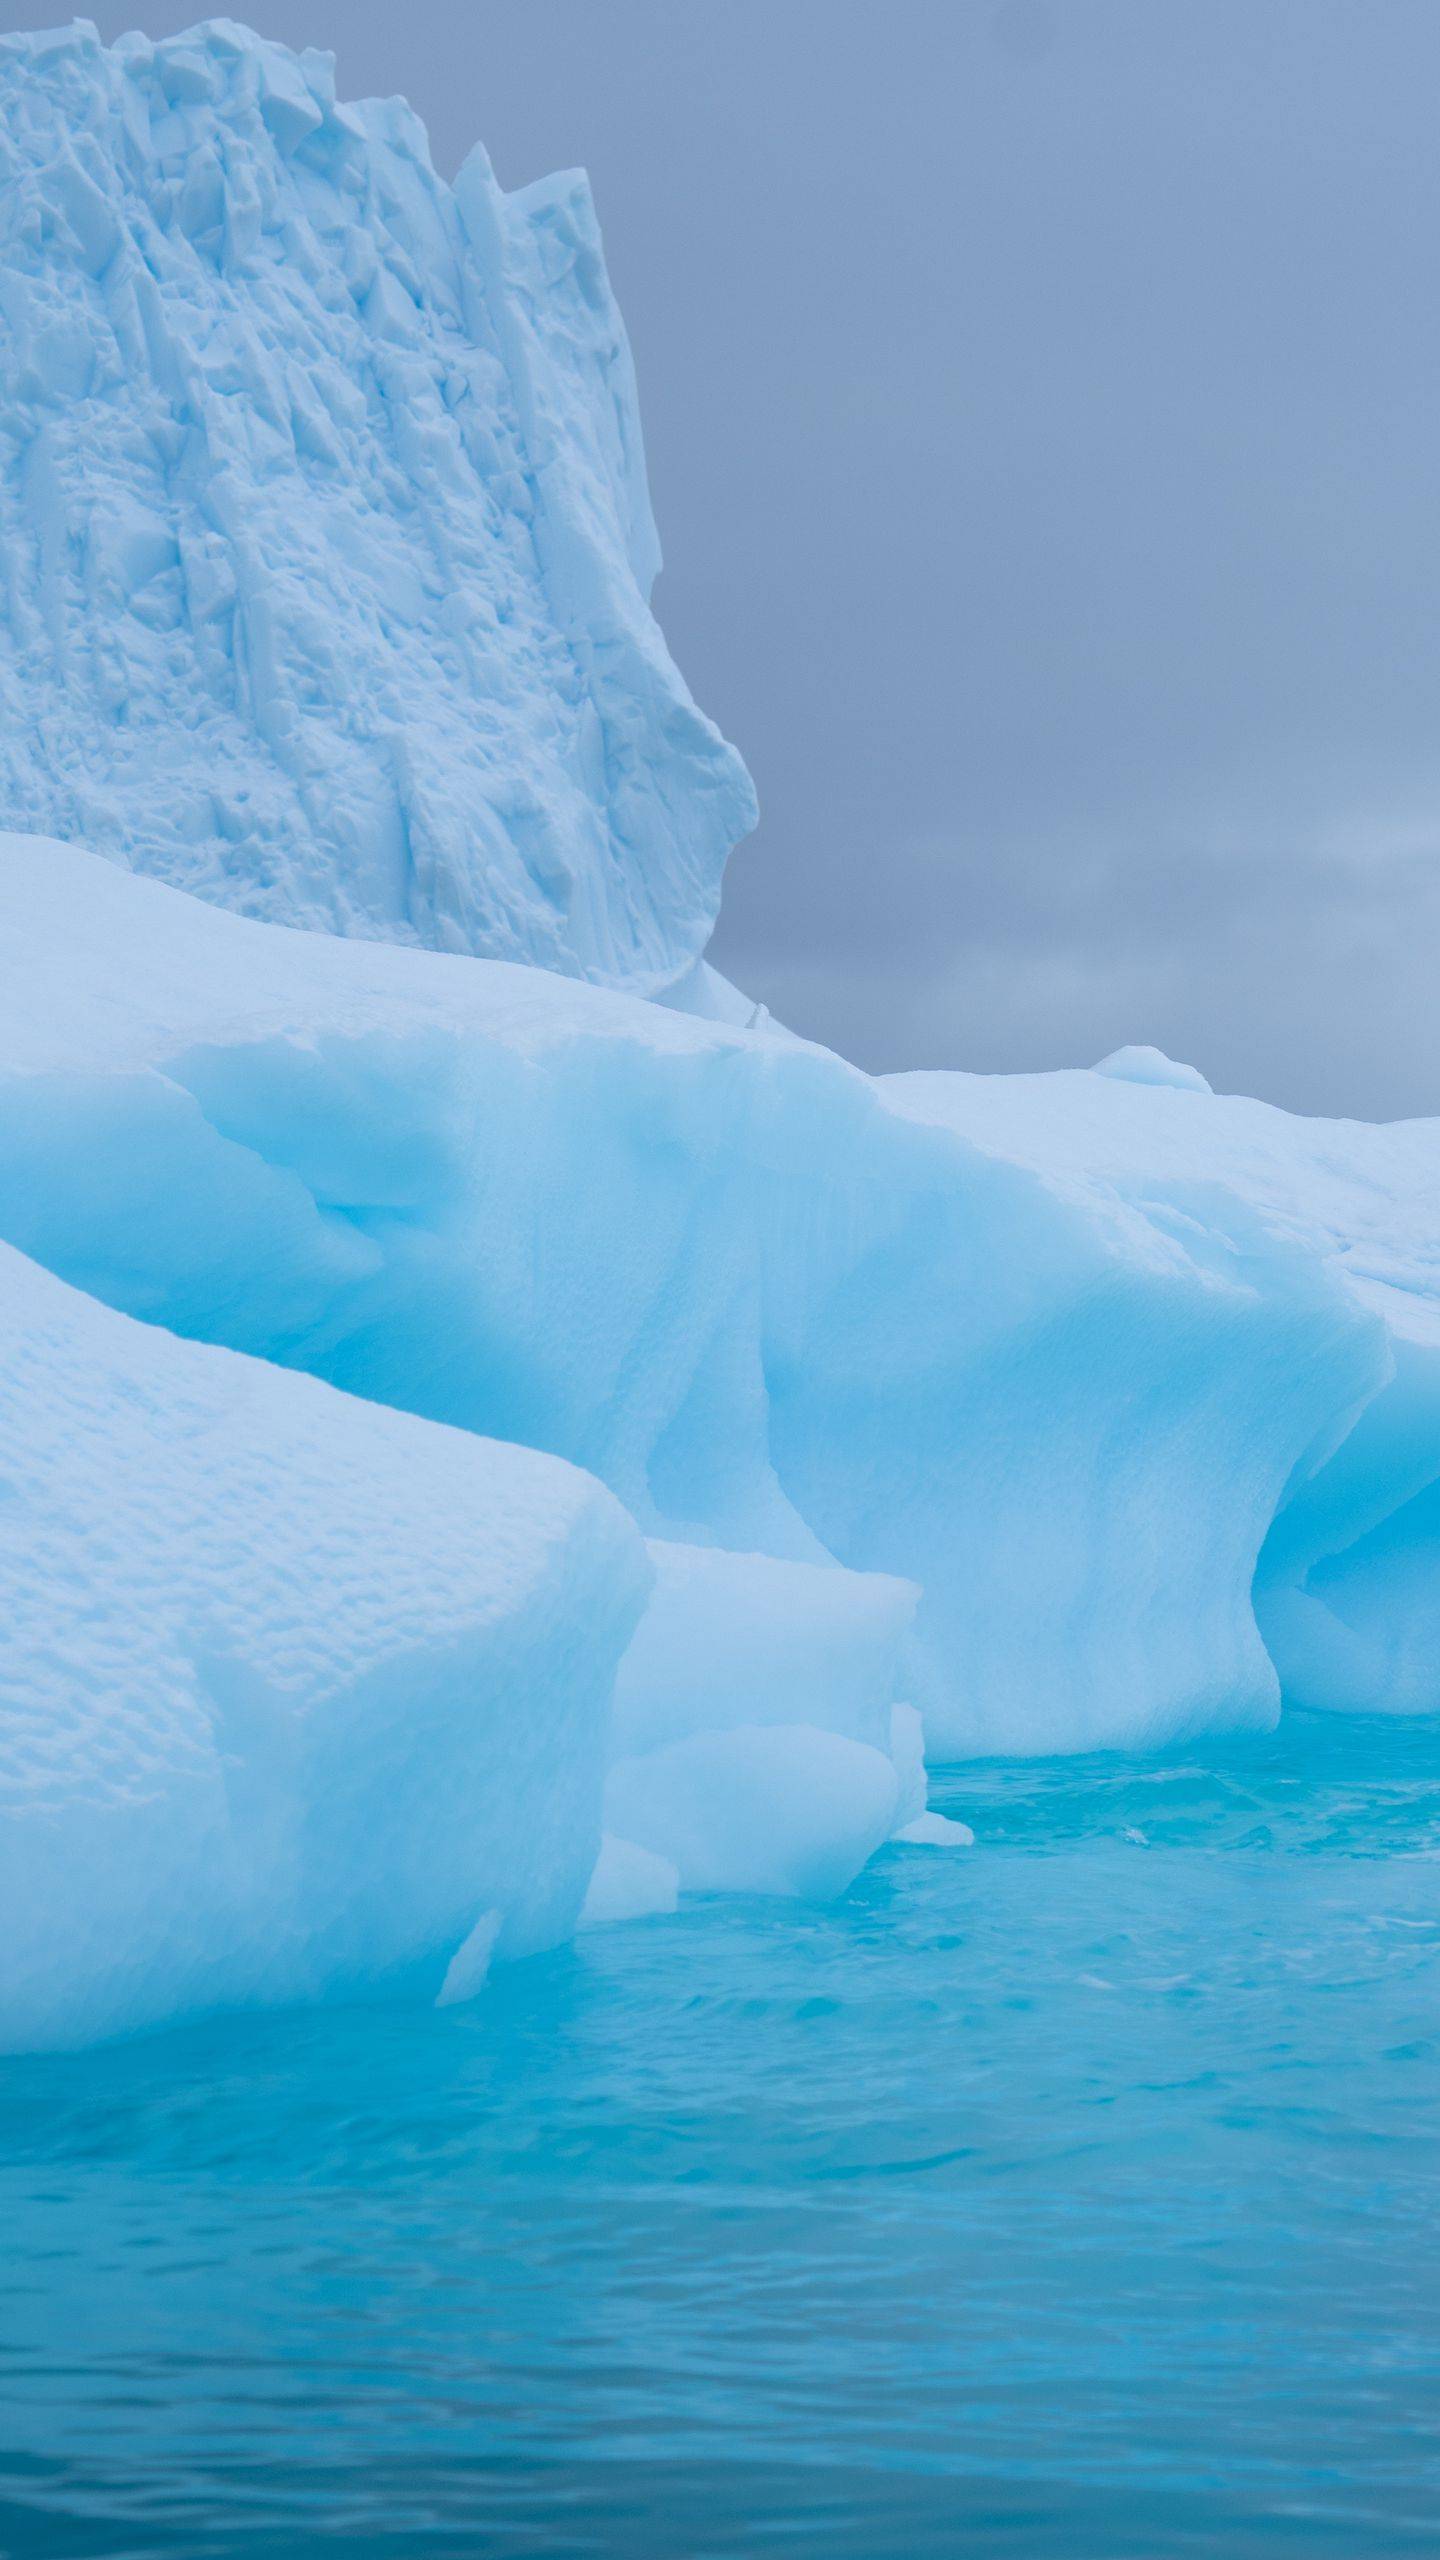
(325, 547)
(298, 1696)
(1068, 1353)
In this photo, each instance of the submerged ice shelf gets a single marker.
(299, 1692)
(485, 1452)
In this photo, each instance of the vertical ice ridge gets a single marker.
(323, 505)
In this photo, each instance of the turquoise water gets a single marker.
(1075, 2193)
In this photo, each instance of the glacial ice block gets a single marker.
(1347, 1579)
(324, 519)
(299, 1697)
(763, 1808)
(760, 1741)
(304, 1699)
(1077, 1357)
(732, 1639)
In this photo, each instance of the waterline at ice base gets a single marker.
(765, 1642)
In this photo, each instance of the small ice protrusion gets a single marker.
(469, 1967)
(937, 1831)
(628, 1883)
(1140, 1064)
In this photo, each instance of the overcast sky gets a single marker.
(1043, 410)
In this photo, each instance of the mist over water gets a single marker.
(1076, 2192)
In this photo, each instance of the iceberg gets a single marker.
(1347, 1578)
(305, 1698)
(1074, 1356)
(298, 1694)
(495, 1433)
(324, 511)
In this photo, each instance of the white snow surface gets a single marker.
(323, 520)
(299, 1696)
(1079, 1358)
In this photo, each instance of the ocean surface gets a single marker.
(1075, 2193)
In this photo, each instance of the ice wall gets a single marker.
(325, 547)
(1347, 1587)
(1062, 1352)
(299, 1697)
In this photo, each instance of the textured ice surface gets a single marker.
(323, 519)
(1073, 1355)
(299, 1696)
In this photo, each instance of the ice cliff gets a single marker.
(483, 1453)
(323, 520)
